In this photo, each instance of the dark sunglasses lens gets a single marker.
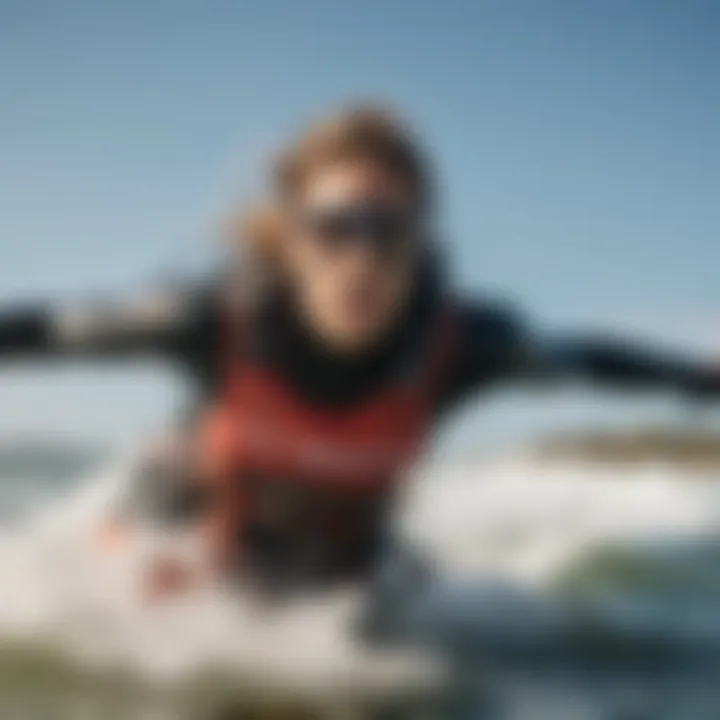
(386, 229)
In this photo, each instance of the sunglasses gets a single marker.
(385, 229)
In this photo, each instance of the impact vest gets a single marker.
(319, 476)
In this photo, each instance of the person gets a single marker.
(320, 375)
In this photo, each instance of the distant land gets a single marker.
(32, 457)
(695, 447)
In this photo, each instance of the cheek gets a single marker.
(391, 287)
(303, 261)
(316, 279)
(370, 291)
(386, 290)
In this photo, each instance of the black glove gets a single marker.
(703, 384)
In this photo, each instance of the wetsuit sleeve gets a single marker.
(496, 346)
(608, 360)
(490, 347)
(157, 322)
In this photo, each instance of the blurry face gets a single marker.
(353, 252)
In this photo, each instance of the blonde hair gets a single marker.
(259, 234)
(363, 132)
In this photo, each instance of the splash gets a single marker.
(511, 541)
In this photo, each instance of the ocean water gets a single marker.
(562, 590)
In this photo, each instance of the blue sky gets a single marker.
(578, 144)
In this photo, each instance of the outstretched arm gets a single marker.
(495, 347)
(155, 322)
(611, 361)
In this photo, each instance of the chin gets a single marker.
(353, 338)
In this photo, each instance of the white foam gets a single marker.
(59, 586)
(510, 518)
(528, 521)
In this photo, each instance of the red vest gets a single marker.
(262, 429)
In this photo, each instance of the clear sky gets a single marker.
(578, 144)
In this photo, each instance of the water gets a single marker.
(562, 590)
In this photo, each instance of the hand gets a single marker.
(168, 577)
(111, 535)
(705, 384)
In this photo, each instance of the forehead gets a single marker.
(355, 179)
